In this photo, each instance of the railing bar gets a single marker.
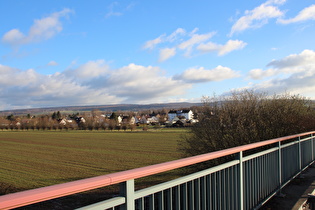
(307, 138)
(185, 196)
(220, 183)
(181, 180)
(258, 154)
(246, 184)
(241, 180)
(264, 176)
(197, 193)
(261, 176)
(258, 180)
(300, 150)
(151, 202)
(224, 189)
(269, 164)
(312, 141)
(160, 200)
(256, 187)
(236, 184)
(270, 172)
(168, 199)
(250, 184)
(190, 195)
(202, 193)
(279, 166)
(214, 186)
(208, 190)
(178, 195)
(230, 206)
(234, 187)
(105, 204)
(230, 188)
(300, 153)
(142, 203)
(288, 144)
(255, 182)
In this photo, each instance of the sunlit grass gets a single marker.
(40, 158)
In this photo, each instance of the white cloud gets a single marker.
(302, 83)
(257, 17)
(174, 35)
(52, 63)
(260, 74)
(90, 84)
(13, 36)
(307, 13)
(114, 6)
(188, 43)
(91, 69)
(42, 29)
(230, 46)
(195, 39)
(198, 75)
(291, 64)
(294, 74)
(167, 53)
(152, 43)
(306, 57)
(111, 10)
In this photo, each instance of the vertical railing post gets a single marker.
(280, 166)
(312, 145)
(127, 189)
(241, 190)
(300, 154)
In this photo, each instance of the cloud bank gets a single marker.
(259, 16)
(42, 29)
(307, 13)
(199, 75)
(190, 43)
(89, 84)
(294, 73)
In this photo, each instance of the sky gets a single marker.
(99, 52)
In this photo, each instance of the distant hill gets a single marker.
(104, 108)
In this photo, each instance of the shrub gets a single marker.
(244, 118)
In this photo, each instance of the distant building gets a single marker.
(185, 113)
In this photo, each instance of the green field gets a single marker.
(32, 159)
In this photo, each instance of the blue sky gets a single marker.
(73, 53)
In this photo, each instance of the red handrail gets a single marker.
(27, 197)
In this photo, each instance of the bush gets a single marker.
(244, 118)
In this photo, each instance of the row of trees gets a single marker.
(94, 120)
(46, 122)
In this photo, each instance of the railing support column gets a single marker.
(241, 190)
(312, 145)
(127, 190)
(300, 154)
(280, 167)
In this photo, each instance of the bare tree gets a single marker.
(247, 117)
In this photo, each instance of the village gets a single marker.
(96, 120)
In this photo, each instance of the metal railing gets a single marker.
(244, 183)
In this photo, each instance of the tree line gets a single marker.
(247, 117)
(93, 120)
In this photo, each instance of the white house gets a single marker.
(119, 119)
(187, 114)
(171, 115)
